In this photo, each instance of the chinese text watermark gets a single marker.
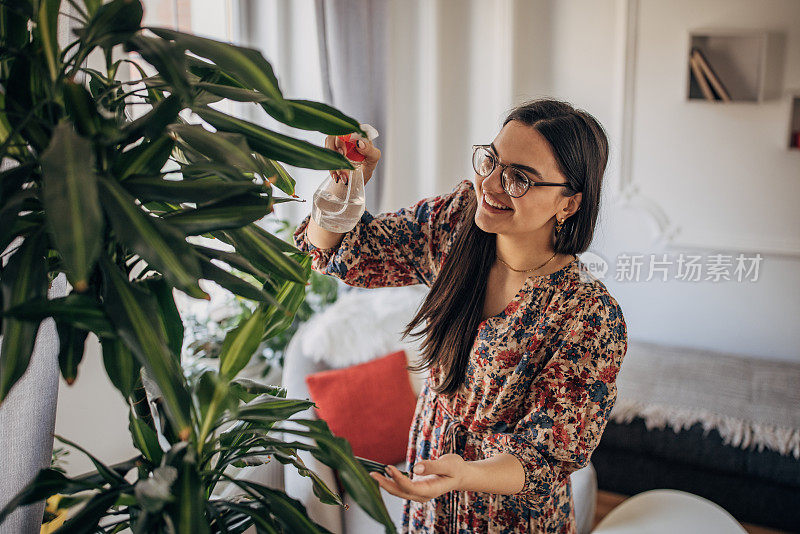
(682, 267)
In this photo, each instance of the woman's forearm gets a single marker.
(322, 238)
(502, 474)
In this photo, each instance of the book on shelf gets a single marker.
(709, 75)
(699, 77)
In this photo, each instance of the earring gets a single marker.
(559, 224)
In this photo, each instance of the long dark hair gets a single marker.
(453, 307)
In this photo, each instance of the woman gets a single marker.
(523, 346)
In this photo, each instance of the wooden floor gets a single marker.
(607, 501)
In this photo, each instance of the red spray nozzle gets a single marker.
(350, 151)
(349, 140)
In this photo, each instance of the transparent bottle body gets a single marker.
(337, 207)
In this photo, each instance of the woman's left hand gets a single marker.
(437, 477)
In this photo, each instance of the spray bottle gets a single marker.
(337, 207)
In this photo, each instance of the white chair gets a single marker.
(667, 511)
(361, 325)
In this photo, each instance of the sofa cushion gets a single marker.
(370, 404)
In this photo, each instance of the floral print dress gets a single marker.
(541, 378)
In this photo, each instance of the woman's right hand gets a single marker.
(371, 153)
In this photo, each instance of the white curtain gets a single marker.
(352, 40)
(285, 32)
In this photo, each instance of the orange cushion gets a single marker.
(370, 404)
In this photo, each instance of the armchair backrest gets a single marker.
(359, 326)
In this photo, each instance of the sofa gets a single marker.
(721, 426)
(364, 324)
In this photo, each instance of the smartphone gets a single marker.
(371, 465)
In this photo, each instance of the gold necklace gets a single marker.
(526, 270)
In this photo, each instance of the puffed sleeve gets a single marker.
(569, 400)
(400, 248)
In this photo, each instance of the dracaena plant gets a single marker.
(111, 196)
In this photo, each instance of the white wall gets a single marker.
(711, 179)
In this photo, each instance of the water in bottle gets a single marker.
(337, 207)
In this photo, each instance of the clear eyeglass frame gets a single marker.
(521, 181)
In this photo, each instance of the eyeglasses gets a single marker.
(514, 180)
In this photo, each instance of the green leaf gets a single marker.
(82, 109)
(88, 517)
(152, 124)
(246, 64)
(147, 158)
(267, 252)
(236, 285)
(321, 489)
(160, 244)
(214, 396)
(24, 83)
(71, 202)
(46, 483)
(268, 406)
(17, 202)
(122, 368)
(148, 188)
(13, 141)
(207, 169)
(317, 116)
(240, 344)
(337, 453)
(187, 511)
(168, 58)
(171, 318)
(48, 33)
(131, 309)
(24, 278)
(204, 388)
(96, 479)
(92, 6)
(109, 475)
(227, 214)
(71, 343)
(257, 388)
(154, 92)
(291, 514)
(217, 146)
(291, 294)
(144, 439)
(236, 94)
(258, 514)
(273, 145)
(14, 22)
(276, 174)
(80, 311)
(11, 180)
(112, 23)
(233, 260)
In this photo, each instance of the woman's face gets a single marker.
(533, 212)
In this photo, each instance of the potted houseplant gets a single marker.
(114, 202)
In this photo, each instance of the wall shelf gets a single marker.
(748, 63)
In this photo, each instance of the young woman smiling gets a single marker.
(522, 345)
